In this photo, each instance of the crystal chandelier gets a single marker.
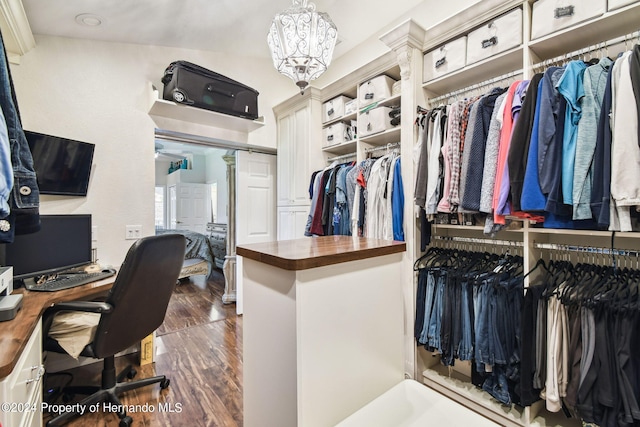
(301, 42)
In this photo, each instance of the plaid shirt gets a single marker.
(458, 126)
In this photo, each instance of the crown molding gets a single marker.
(407, 33)
(310, 93)
(16, 31)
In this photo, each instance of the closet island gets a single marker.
(322, 328)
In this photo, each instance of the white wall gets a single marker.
(162, 169)
(217, 173)
(95, 92)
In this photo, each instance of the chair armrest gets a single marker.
(86, 306)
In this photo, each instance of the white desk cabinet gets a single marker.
(21, 390)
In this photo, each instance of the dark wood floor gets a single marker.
(199, 349)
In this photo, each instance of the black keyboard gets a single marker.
(70, 280)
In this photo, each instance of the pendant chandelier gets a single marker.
(301, 42)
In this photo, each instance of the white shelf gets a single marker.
(389, 136)
(459, 388)
(392, 100)
(159, 107)
(344, 148)
(590, 233)
(477, 228)
(496, 65)
(345, 118)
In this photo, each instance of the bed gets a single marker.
(202, 253)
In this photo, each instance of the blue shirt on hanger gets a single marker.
(532, 199)
(571, 88)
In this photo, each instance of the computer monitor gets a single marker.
(62, 165)
(63, 242)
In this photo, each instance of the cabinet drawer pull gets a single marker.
(38, 377)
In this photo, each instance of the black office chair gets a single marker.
(134, 308)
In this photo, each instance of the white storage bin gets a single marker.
(337, 133)
(552, 15)
(499, 35)
(350, 106)
(616, 4)
(445, 59)
(374, 121)
(374, 90)
(334, 109)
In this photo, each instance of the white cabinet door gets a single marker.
(292, 222)
(294, 140)
(23, 386)
(300, 174)
(285, 136)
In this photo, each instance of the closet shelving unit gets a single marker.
(536, 242)
(532, 241)
(360, 144)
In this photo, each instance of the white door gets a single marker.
(255, 205)
(190, 207)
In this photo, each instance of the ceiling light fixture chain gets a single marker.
(302, 42)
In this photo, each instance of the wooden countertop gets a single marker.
(15, 333)
(312, 252)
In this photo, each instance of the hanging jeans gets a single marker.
(435, 318)
(430, 285)
(465, 350)
(496, 385)
(484, 335)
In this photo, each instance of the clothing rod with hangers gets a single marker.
(587, 50)
(342, 157)
(475, 86)
(586, 249)
(475, 240)
(389, 146)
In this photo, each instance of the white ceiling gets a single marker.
(232, 26)
(228, 26)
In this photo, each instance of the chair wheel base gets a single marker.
(132, 373)
(126, 421)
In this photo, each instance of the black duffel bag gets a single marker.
(191, 84)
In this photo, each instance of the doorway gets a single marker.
(215, 182)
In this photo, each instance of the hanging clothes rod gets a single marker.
(478, 241)
(476, 86)
(586, 249)
(580, 53)
(342, 157)
(389, 146)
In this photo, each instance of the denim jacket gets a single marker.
(24, 200)
(6, 170)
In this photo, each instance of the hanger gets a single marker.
(560, 271)
(539, 263)
(432, 252)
